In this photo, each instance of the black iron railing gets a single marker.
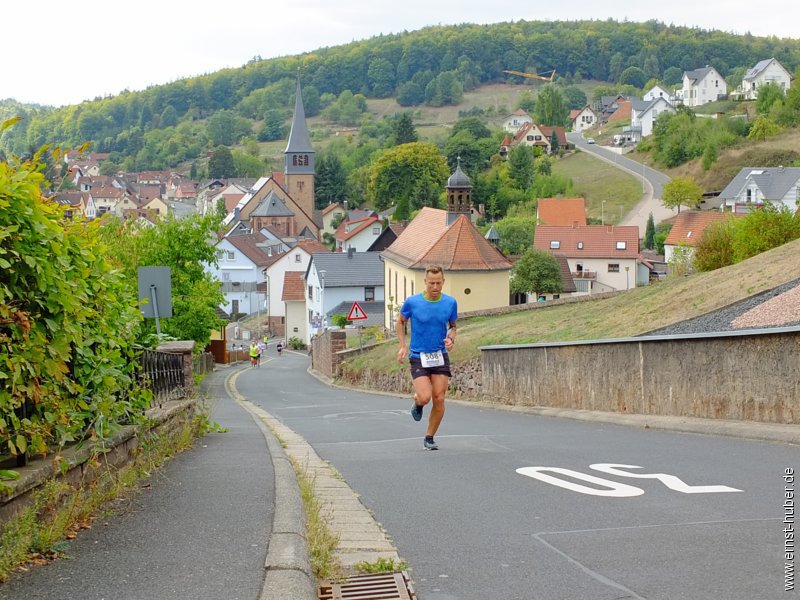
(162, 373)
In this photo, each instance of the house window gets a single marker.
(622, 245)
(369, 294)
(220, 254)
(231, 255)
(530, 138)
(226, 277)
(376, 230)
(580, 245)
(555, 245)
(310, 293)
(538, 138)
(749, 195)
(298, 258)
(613, 267)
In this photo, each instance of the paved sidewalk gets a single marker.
(200, 530)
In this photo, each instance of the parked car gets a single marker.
(590, 140)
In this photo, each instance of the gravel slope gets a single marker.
(778, 307)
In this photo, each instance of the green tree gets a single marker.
(330, 184)
(709, 156)
(183, 246)
(526, 102)
(633, 76)
(410, 93)
(763, 229)
(403, 129)
(516, 234)
(473, 125)
(681, 191)
(273, 128)
(673, 76)
(247, 165)
(520, 166)
(226, 128)
(763, 127)
(169, 117)
(221, 164)
(714, 249)
(381, 77)
(575, 97)
(537, 272)
(551, 106)
(650, 233)
(768, 94)
(411, 170)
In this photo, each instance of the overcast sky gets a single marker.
(62, 53)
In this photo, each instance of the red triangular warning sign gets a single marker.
(356, 313)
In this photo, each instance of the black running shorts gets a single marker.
(417, 370)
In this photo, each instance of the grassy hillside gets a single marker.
(633, 313)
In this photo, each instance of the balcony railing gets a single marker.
(584, 274)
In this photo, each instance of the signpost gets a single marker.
(155, 294)
(357, 314)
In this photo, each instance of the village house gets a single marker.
(688, 228)
(645, 112)
(536, 136)
(514, 121)
(337, 279)
(583, 118)
(658, 91)
(476, 273)
(602, 258)
(765, 71)
(702, 86)
(753, 187)
(358, 234)
(561, 211)
(329, 213)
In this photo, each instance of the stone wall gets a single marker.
(744, 375)
(325, 347)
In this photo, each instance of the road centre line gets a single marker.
(658, 525)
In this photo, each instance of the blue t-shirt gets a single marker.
(429, 321)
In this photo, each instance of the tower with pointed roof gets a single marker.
(459, 194)
(298, 165)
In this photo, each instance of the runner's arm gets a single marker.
(401, 337)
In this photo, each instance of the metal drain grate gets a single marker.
(386, 586)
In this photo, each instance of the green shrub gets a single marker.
(715, 247)
(339, 320)
(295, 343)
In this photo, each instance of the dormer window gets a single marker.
(622, 245)
(580, 245)
(555, 245)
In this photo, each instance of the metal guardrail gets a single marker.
(162, 373)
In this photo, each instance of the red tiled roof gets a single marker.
(107, 192)
(574, 113)
(294, 287)
(689, 226)
(561, 211)
(330, 207)
(246, 244)
(344, 235)
(278, 177)
(561, 134)
(231, 200)
(312, 246)
(428, 240)
(597, 241)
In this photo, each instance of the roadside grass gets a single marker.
(596, 181)
(632, 313)
(321, 542)
(41, 532)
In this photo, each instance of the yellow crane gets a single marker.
(534, 75)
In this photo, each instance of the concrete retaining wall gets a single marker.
(751, 375)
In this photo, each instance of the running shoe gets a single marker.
(416, 412)
(430, 444)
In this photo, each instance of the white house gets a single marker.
(329, 213)
(754, 186)
(602, 258)
(584, 118)
(513, 122)
(358, 234)
(295, 259)
(644, 113)
(658, 91)
(702, 86)
(766, 71)
(240, 269)
(334, 278)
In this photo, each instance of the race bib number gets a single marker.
(431, 359)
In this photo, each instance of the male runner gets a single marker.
(433, 318)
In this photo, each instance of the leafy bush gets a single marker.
(715, 247)
(67, 323)
(763, 229)
(339, 320)
(295, 343)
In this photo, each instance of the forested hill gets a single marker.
(166, 125)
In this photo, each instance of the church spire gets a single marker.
(299, 140)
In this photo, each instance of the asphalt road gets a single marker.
(653, 182)
(472, 527)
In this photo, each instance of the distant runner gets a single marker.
(433, 317)
(254, 354)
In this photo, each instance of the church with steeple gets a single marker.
(283, 202)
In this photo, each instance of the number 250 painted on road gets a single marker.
(614, 488)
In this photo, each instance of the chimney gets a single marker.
(344, 204)
(236, 214)
(350, 252)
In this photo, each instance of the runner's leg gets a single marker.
(422, 390)
(439, 385)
